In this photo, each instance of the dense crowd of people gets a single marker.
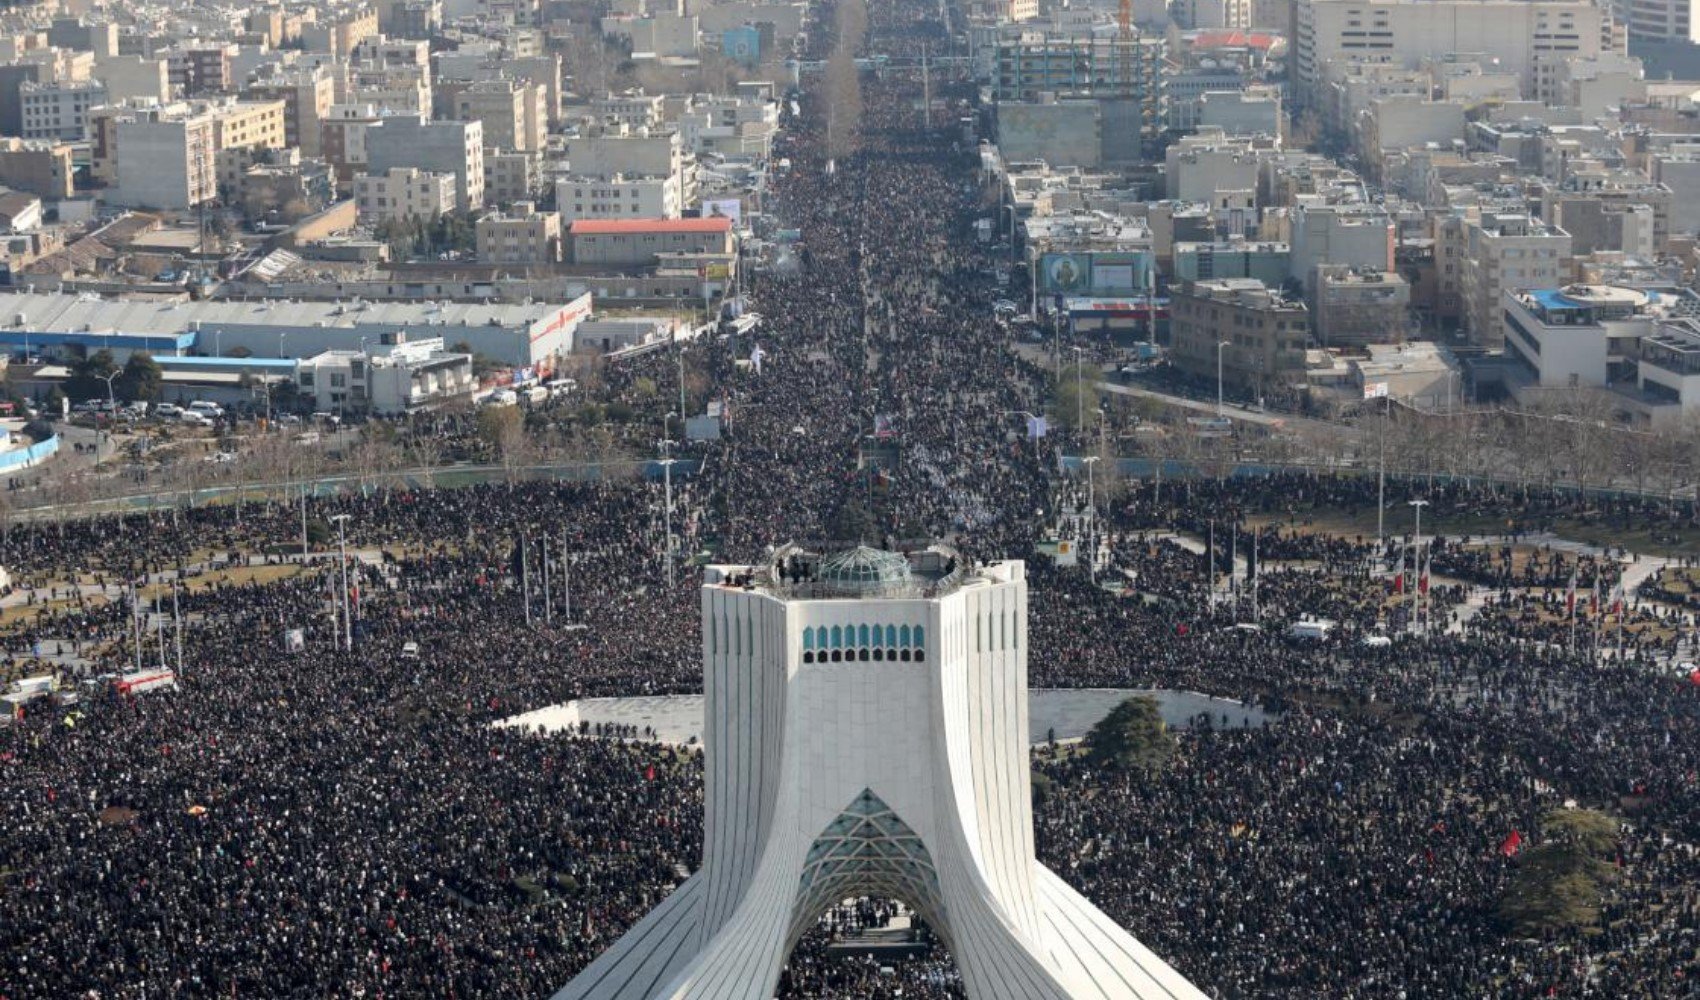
(347, 822)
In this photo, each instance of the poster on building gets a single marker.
(1095, 273)
(724, 208)
(1375, 390)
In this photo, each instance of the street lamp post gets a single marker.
(111, 403)
(667, 513)
(1079, 395)
(1219, 345)
(342, 563)
(1417, 548)
(1091, 518)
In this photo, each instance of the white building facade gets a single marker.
(867, 734)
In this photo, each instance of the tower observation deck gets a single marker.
(866, 733)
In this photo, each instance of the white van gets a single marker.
(1311, 628)
(207, 409)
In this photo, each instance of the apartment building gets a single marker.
(617, 197)
(1256, 335)
(523, 236)
(403, 194)
(1506, 252)
(440, 147)
(1530, 38)
(59, 110)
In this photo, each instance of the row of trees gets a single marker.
(139, 379)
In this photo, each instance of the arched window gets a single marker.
(808, 639)
(903, 636)
(808, 657)
(891, 636)
(920, 635)
(837, 637)
(821, 641)
(862, 636)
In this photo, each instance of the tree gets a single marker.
(88, 376)
(1133, 737)
(1077, 399)
(1559, 885)
(142, 377)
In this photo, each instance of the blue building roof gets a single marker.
(1552, 299)
(193, 361)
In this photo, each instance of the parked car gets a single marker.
(167, 410)
(207, 409)
(194, 418)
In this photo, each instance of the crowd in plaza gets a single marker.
(342, 822)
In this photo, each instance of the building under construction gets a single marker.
(1124, 73)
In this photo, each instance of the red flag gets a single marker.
(1694, 678)
(1570, 596)
(1422, 575)
(649, 773)
(1510, 844)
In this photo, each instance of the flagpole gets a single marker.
(1252, 578)
(177, 619)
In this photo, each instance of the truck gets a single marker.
(144, 681)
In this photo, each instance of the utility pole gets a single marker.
(1381, 483)
(136, 624)
(566, 582)
(177, 618)
(1417, 554)
(525, 572)
(303, 522)
(1091, 517)
(681, 356)
(1219, 345)
(926, 89)
(548, 604)
(342, 560)
(667, 472)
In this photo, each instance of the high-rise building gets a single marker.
(442, 147)
(1656, 20)
(867, 734)
(1530, 38)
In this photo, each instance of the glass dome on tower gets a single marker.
(864, 570)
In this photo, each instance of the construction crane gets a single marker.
(1124, 46)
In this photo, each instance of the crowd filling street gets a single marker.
(334, 822)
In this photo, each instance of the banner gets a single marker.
(1375, 390)
(727, 208)
(294, 641)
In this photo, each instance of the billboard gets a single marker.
(1095, 273)
(728, 208)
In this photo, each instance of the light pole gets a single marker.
(1219, 345)
(667, 513)
(1417, 553)
(1091, 518)
(342, 562)
(110, 399)
(280, 338)
(1079, 394)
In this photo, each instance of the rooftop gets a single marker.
(60, 312)
(850, 570)
(612, 227)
